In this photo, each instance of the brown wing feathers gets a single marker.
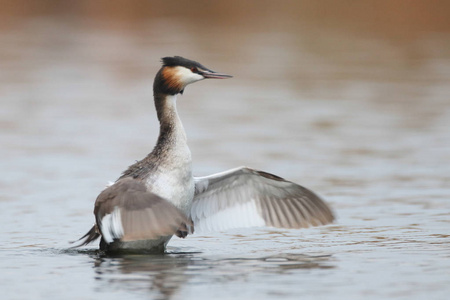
(143, 215)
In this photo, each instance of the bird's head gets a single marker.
(177, 72)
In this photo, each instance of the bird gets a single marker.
(158, 197)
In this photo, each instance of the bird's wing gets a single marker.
(127, 211)
(245, 197)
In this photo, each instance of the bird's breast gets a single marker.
(173, 180)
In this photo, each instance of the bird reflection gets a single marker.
(163, 276)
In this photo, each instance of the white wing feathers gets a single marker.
(245, 197)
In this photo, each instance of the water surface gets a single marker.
(359, 115)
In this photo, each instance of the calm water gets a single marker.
(361, 117)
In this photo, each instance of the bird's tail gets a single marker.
(88, 238)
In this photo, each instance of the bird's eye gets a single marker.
(194, 70)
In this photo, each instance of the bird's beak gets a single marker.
(214, 75)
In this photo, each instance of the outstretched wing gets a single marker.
(245, 197)
(127, 211)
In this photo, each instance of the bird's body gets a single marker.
(167, 170)
(158, 196)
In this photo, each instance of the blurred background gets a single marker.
(349, 98)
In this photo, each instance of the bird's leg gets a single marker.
(184, 230)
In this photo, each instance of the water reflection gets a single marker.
(164, 276)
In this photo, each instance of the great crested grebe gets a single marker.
(158, 196)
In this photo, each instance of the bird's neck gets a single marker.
(171, 151)
(171, 131)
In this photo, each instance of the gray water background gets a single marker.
(352, 101)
